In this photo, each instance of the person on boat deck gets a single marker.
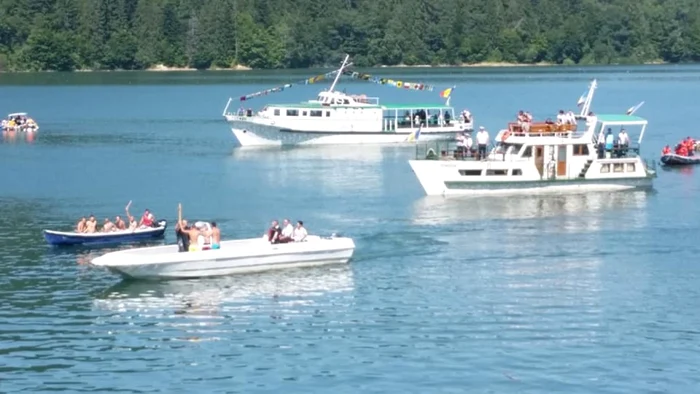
(193, 234)
(300, 233)
(623, 141)
(609, 143)
(80, 227)
(119, 223)
(133, 224)
(108, 227)
(147, 220)
(482, 139)
(91, 225)
(215, 236)
(287, 232)
(468, 143)
(461, 144)
(273, 233)
(561, 117)
(666, 150)
(601, 144)
(447, 118)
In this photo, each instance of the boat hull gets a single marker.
(434, 182)
(59, 238)
(253, 134)
(672, 159)
(234, 257)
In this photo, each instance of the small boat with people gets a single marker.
(336, 117)
(87, 231)
(19, 121)
(685, 153)
(277, 249)
(575, 153)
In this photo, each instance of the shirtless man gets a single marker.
(215, 236)
(80, 227)
(189, 234)
(91, 225)
(108, 227)
(119, 223)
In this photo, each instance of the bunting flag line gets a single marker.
(351, 74)
(390, 82)
(281, 88)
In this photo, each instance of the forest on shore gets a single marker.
(67, 35)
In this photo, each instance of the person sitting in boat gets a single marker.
(91, 225)
(561, 117)
(273, 233)
(666, 151)
(108, 227)
(300, 233)
(80, 227)
(147, 220)
(119, 223)
(287, 232)
(681, 150)
(689, 145)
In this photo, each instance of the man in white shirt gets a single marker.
(482, 139)
(300, 232)
(287, 232)
(461, 148)
(468, 143)
(623, 141)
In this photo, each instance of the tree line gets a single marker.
(67, 35)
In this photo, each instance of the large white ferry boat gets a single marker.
(547, 158)
(338, 118)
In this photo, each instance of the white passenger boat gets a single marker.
(233, 257)
(548, 158)
(339, 118)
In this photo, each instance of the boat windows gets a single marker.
(631, 167)
(604, 168)
(277, 112)
(527, 152)
(581, 150)
(619, 167)
(292, 112)
(496, 172)
(516, 171)
(328, 113)
(470, 172)
(316, 113)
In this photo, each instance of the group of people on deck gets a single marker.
(684, 148)
(287, 233)
(90, 225)
(607, 143)
(196, 236)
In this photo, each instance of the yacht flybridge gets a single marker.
(542, 157)
(338, 118)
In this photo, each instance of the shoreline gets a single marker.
(240, 67)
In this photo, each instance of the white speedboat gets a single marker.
(19, 121)
(338, 118)
(233, 257)
(544, 158)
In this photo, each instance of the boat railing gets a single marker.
(447, 150)
(366, 100)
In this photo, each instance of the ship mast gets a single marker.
(340, 72)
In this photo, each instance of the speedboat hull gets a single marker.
(673, 159)
(233, 257)
(60, 238)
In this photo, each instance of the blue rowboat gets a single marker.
(673, 159)
(60, 238)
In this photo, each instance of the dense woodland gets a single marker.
(138, 34)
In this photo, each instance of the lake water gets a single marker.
(593, 293)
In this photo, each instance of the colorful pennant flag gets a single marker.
(307, 81)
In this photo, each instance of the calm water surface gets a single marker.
(594, 293)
